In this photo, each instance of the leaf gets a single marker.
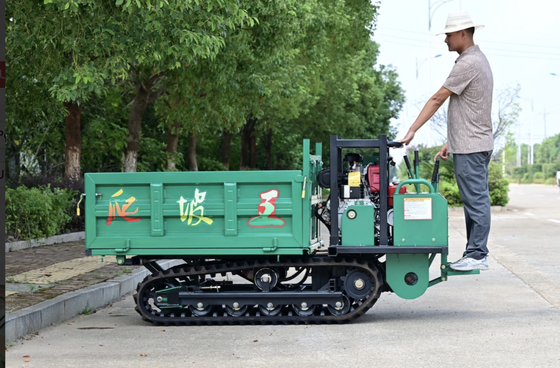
(119, 2)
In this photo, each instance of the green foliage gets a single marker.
(497, 185)
(519, 171)
(538, 178)
(450, 192)
(209, 164)
(527, 178)
(151, 156)
(546, 160)
(548, 151)
(302, 69)
(33, 213)
(549, 170)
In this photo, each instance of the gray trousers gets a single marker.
(471, 172)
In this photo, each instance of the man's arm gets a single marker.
(433, 104)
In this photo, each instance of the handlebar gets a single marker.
(415, 181)
(395, 144)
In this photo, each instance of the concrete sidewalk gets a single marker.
(32, 319)
(59, 261)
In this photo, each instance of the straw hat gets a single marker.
(457, 21)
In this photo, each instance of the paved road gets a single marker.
(508, 316)
(526, 239)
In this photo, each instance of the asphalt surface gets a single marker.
(508, 316)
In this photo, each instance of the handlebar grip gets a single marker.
(435, 174)
(395, 144)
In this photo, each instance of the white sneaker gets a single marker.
(469, 264)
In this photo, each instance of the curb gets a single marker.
(66, 306)
(24, 244)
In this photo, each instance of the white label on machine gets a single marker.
(417, 208)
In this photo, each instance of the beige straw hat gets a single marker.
(457, 21)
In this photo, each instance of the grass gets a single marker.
(87, 310)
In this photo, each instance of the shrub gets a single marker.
(33, 213)
(550, 170)
(535, 168)
(497, 185)
(450, 192)
(527, 178)
(538, 178)
(208, 164)
(551, 181)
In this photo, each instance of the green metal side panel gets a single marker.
(358, 231)
(201, 213)
(407, 274)
(420, 220)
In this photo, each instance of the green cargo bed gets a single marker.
(203, 213)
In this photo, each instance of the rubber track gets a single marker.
(190, 271)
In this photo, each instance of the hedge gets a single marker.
(497, 185)
(33, 213)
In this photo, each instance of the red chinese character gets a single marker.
(115, 209)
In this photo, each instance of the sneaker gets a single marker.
(469, 264)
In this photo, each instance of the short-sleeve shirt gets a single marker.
(469, 115)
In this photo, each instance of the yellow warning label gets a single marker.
(417, 208)
(354, 179)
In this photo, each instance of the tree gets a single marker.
(508, 112)
(49, 44)
(253, 73)
(82, 46)
(548, 151)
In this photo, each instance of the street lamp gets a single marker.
(431, 13)
(419, 64)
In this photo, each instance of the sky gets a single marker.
(521, 40)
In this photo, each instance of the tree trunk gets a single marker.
(73, 142)
(267, 143)
(248, 146)
(226, 149)
(135, 125)
(172, 141)
(191, 153)
(253, 151)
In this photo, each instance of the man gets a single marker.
(469, 132)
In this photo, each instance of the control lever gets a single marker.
(435, 176)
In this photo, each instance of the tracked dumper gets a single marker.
(259, 247)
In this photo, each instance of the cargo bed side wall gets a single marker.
(195, 213)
